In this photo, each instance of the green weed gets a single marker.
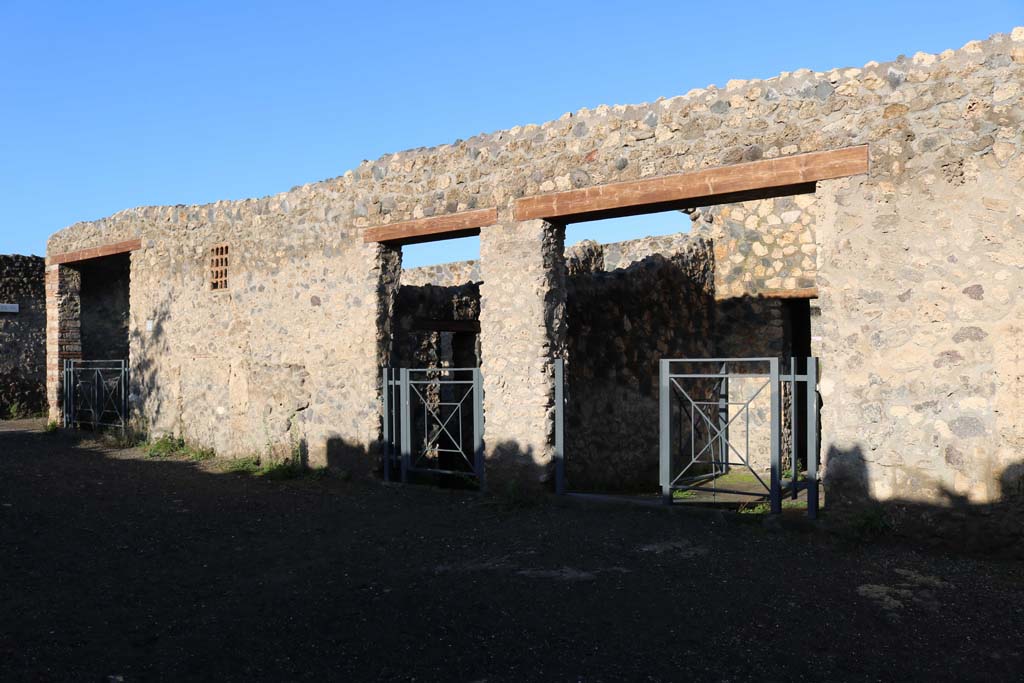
(17, 410)
(174, 447)
(757, 509)
(282, 469)
(871, 523)
(250, 465)
(165, 447)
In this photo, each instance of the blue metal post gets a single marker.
(665, 429)
(478, 429)
(793, 428)
(386, 408)
(559, 426)
(775, 490)
(405, 423)
(812, 438)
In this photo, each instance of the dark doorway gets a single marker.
(105, 307)
(797, 322)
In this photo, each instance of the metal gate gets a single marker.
(95, 394)
(433, 422)
(709, 409)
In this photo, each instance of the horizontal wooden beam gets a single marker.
(94, 252)
(804, 293)
(434, 228)
(699, 188)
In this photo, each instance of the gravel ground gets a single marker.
(114, 566)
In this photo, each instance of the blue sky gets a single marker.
(109, 105)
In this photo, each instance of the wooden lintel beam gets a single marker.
(94, 252)
(433, 228)
(804, 293)
(697, 188)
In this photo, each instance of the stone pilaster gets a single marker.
(63, 330)
(522, 331)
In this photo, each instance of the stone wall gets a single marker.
(622, 320)
(418, 342)
(442, 274)
(627, 305)
(761, 246)
(286, 358)
(917, 265)
(22, 336)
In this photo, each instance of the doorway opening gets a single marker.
(96, 384)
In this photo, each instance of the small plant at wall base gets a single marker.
(51, 427)
(16, 410)
(249, 465)
(168, 447)
(164, 447)
(288, 468)
(126, 439)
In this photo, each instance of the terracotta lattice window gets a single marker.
(219, 267)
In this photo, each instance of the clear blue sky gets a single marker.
(110, 105)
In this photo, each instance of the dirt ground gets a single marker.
(115, 566)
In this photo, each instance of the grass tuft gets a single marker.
(51, 427)
(282, 469)
(165, 447)
(17, 410)
(249, 465)
(173, 447)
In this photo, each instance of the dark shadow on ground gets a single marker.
(114, 564)
(952, 522)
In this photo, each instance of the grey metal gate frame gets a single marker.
(95, 393)
(773, 380)
(403, 393)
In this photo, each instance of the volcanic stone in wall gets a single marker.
(417, 344)
(22, 336)
(621, 323)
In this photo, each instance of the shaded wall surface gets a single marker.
(22, 335)
(104, 300)
(423, 334)
(628, 304)
(622, 321)
(917, 263)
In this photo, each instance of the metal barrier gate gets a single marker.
(705, 425)
(433, 422)
(95, 394)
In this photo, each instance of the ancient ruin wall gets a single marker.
(442, 274)
(921, 387)
(22, 336)
(761, 246)
(624, 318)
(419, 344)
(104, 298)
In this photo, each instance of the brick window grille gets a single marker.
(219, 267)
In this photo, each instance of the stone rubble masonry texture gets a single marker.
(22, 335)
(918, 265)
(627, 305)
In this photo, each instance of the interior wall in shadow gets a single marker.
(105, 307)
(433, 324)
(621, 324)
